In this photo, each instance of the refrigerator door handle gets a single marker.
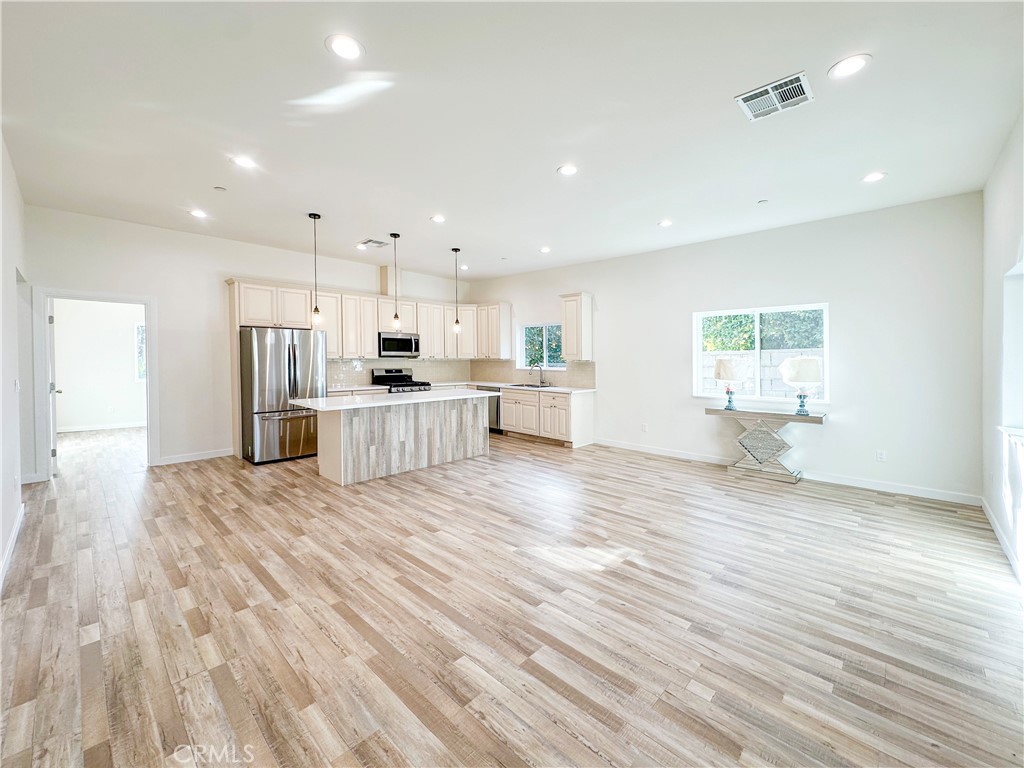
(295, 370)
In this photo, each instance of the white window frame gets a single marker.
(820, 397)
(521, 347)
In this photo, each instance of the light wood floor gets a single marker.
(540, 606)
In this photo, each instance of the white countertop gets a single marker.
(497, 384)
(519, 387)
(398, 398)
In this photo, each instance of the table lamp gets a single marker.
(727, 371)
(803, 373)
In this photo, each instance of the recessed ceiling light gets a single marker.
(464, 267)
(851, 65)
(221, 189)
(567, 170)
(438, 219)
(545, 249)
(243, 162)
(198, 213)
(665, 223)
(874, 176)
(762, 202)
(360, 246)
(344, 46)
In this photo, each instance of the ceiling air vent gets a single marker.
(371, 243)
(775, 97)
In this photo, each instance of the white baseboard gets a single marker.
(1004, 541)
(706, 459)
(182, 457)
(906, 490)
(855, 482)
(9, 549)
(101, 427)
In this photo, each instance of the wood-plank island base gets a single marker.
(365, 437)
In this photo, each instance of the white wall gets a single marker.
(184, 274)
(11, 261)
(904, 292)
(94, 357)
(1004, 238)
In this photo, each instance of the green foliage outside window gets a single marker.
(542, 344)
(799, 329)
(728, 333)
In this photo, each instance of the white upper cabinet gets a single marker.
(430, 321)
(386, 315)
(275, 307)
(330, 322)
(577, 326)
(358, 326)
(494, 331)
(467, 339)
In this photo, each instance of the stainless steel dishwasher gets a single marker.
(493, 408)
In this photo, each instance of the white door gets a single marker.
(330, 322)
(295, 308)
(51, 370)
(510, 415)
(451, 339)
(467, 339)
(571, 328)
(529, 417)
(482, 336)
(256, 305)
(435, 330)
(560, 422)
(493, 331)
(547, 424)
(368, 326)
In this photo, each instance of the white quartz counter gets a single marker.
(355, 402)
(521, 387)
(357, 388)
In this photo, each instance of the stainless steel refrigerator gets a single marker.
(278, 365)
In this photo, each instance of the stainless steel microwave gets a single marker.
(398, 344)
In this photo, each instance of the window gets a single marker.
(140, 352)
(754, 343)
(542, 344)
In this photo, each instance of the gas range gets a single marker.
(398, 380)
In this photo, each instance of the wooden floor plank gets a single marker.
(537, 606)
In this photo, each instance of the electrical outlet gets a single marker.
(643, 427)
(881, 455)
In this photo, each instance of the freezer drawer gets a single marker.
(280, 435)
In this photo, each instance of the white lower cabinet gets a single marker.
(554, 416)
(564, 416)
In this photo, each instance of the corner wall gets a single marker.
(1004, 241)
(903, 286)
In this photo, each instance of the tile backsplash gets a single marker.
(505, 372)
(343, 373)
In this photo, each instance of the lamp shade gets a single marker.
(726, 369)
(801, 370)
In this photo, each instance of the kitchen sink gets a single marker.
(534, 386)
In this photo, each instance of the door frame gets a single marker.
(41, 298)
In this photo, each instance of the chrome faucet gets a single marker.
(540, 373)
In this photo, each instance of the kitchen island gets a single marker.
(367, 436)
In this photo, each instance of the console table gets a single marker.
(761, 442)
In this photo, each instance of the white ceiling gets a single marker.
(130, 111)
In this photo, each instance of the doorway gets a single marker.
(94, 382)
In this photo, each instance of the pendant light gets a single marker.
(316, 293)
(396, 321)
(457, 328)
